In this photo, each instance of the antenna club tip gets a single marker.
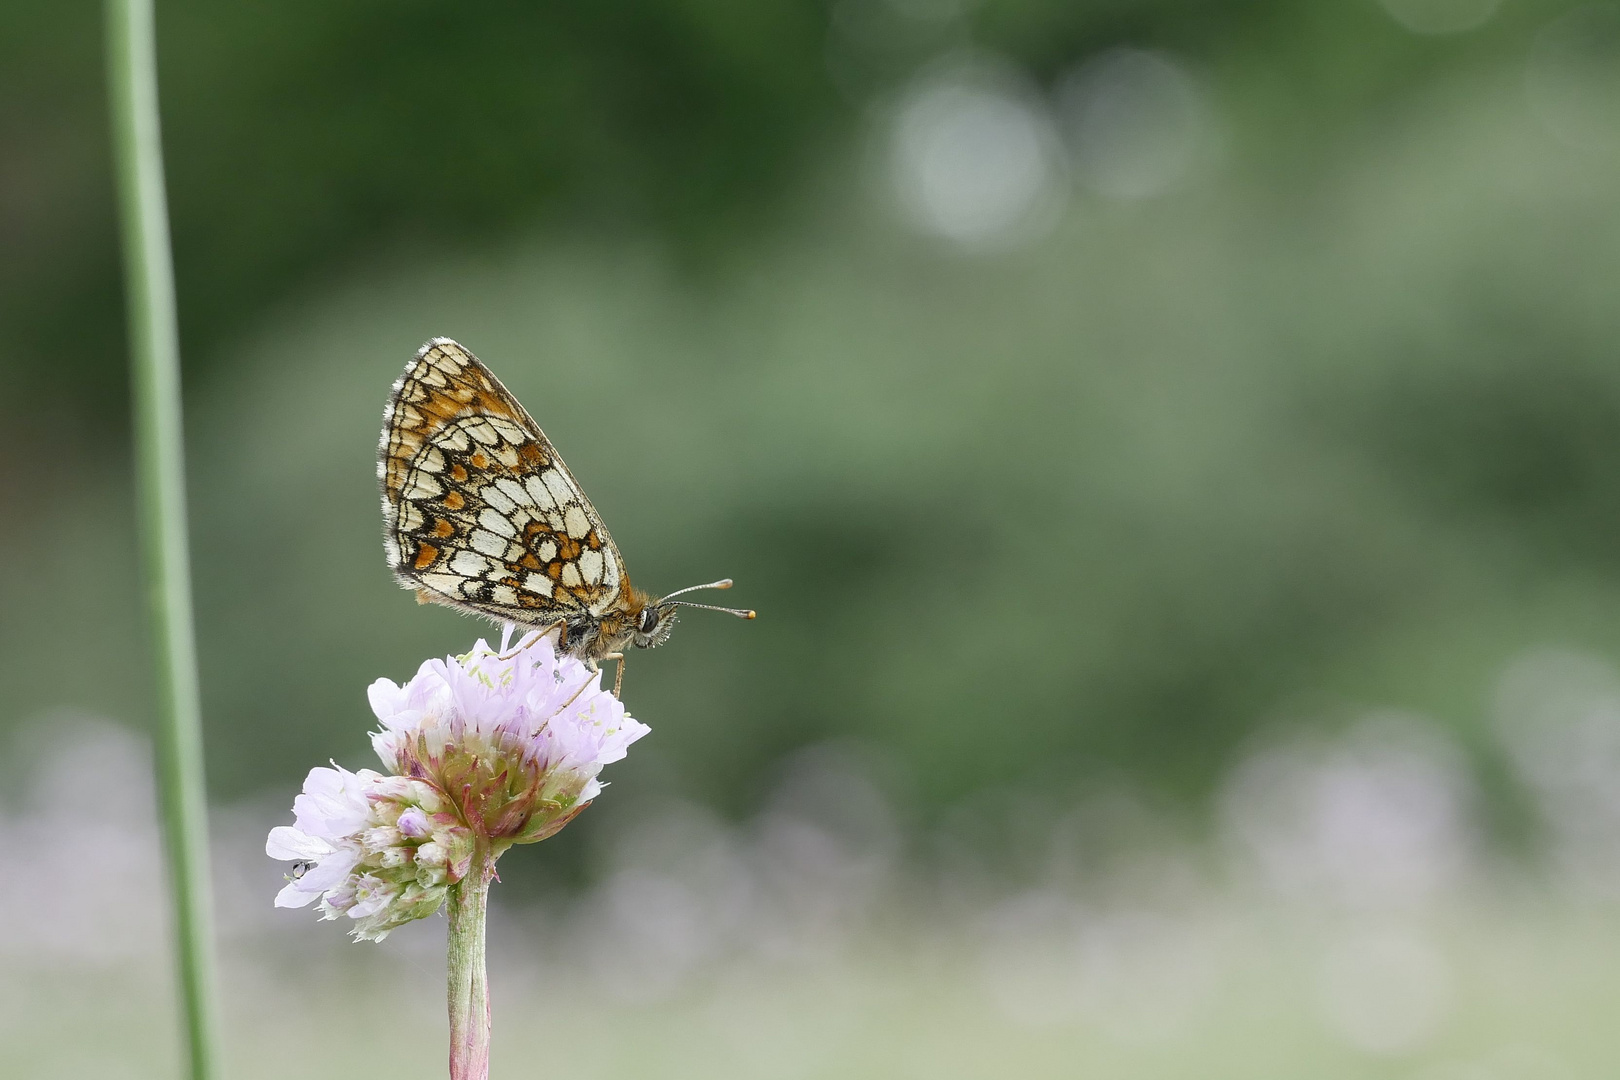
(748, 614)
(723, 583)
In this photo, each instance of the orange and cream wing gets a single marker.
(479, 512)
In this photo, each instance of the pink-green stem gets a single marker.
(469, 982)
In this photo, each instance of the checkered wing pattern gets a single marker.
(479, 512)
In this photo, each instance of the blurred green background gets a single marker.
(1092, 399)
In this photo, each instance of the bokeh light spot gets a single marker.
(1573, 77)
(1441, 16)
(974, 156)
(1137, 121)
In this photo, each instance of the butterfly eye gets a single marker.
(649, 619)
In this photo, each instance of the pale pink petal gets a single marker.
(286, 842)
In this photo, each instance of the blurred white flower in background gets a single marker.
(1030, 960)
(685, 892)
(825, 848)
(974, 155)
(1138, 974)
(791, 937)
(1137, 122)
(675, 895)
(87, 832)
(1380, 816)
(1385, 991)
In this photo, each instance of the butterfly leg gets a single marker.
(526, 640)
(618, 676)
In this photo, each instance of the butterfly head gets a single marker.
(654, 625)
(657, 618)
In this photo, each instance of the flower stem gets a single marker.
(161, 498)
(468, 980)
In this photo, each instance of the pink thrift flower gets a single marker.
(500, 748)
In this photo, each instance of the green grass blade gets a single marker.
(161, 501)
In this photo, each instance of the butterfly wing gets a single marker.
(479, 511)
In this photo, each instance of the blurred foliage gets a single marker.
(1331, 428)
(302, 136)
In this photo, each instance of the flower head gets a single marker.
(486, 749)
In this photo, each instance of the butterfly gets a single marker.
(480, 514)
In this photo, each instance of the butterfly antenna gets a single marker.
(723, 583)
(741, 613)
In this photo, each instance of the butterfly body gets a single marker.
(480, 514)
